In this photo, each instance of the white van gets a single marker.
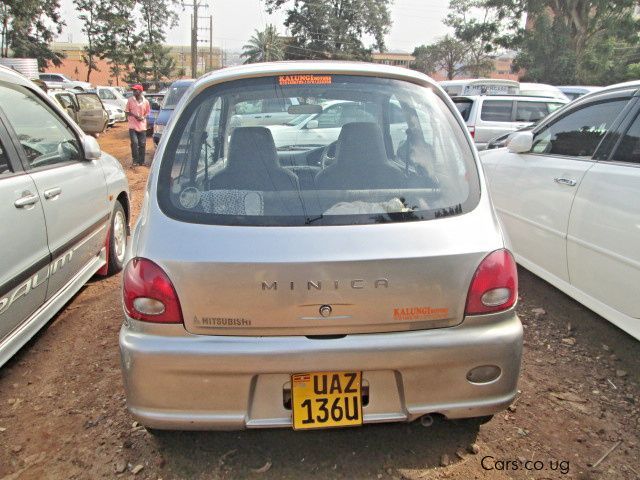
(480, 86)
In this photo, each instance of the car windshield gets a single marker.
(174, 94)
(380, 151)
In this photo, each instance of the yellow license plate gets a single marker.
(326, 399)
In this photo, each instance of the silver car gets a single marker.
(322, 285)
(64, 207)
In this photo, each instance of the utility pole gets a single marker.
(194, 34)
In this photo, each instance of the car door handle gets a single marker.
(26, 200)
(52, 192)
(565, 181)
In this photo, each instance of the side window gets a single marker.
(629, 148)
(66, 100)
(530, 111)
(578, 133)
(56, 78)
(464, 107)
(45, 138)
(330, 118)
(554, 106)
(106, 94)
(5, 167)
(89, 102)
(496, 110)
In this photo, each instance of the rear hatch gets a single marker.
(386, 236)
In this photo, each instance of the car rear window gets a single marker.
(367, 150)
(464, 107)
(496, 110)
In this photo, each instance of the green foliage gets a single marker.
(334, 29)
(544, 55)
(27, 27)
(591, 41)
(90, 15)
(264, 46)
(448, 54)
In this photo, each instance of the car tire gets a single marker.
(117, 239)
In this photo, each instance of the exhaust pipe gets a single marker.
(427, 420)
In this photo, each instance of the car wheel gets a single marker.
(117, 239)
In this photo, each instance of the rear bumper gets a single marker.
(175, 380)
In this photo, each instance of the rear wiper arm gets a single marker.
(311, 220)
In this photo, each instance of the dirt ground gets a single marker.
(63, 415)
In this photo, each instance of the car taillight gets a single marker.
(495, 284)
(149, 294)
(472, 131)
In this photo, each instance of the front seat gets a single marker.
(361, 161)
(252, 164)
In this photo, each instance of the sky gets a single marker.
(415, 22)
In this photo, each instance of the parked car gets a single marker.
(64, 210)
(112, 96)
(264, 112)
(58, 80)
(501, 140)
(85, 108)
(480, 86)
(489, 116)
(155, 102)
(381, 291)
(116, 114)
(568, 194)
(173, 96)
(573, 92)
(319, 128)
(542, 90)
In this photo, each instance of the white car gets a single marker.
(489, 116)
(58, 80)
(542, 90)
(116, 114)
(324, 127)
(112, 96)
(568, 194)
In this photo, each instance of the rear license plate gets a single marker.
(326, 399)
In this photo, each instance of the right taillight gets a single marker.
(148, 293)
(472, 131)
(495, 284)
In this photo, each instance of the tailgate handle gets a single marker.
(565, 181)
(52, 192)
(26, 200)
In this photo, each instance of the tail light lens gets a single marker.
(495, 284)
(472, 131)
(149, 294)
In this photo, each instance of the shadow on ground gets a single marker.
(368, 452)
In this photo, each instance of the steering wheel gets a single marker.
(328, 156)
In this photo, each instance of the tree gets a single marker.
(264, 46)
(594, 30)
(543, 55)
(478, 27)
(27, 29)
(158, 15)
(334, 29)
(448, 54)
(90, 15)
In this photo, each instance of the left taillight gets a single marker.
(148, 293)
(494, 287)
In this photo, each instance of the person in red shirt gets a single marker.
(137, 110)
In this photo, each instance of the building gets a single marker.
(398, 58)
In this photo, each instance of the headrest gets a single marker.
(360, 142)
(252, 145)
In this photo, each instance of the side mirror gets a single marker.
(311, 124)
(91, 148)
(520, 142)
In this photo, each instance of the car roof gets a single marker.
(317, 67)
(182, 82)
(532, 98)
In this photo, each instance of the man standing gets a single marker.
(137, 110)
